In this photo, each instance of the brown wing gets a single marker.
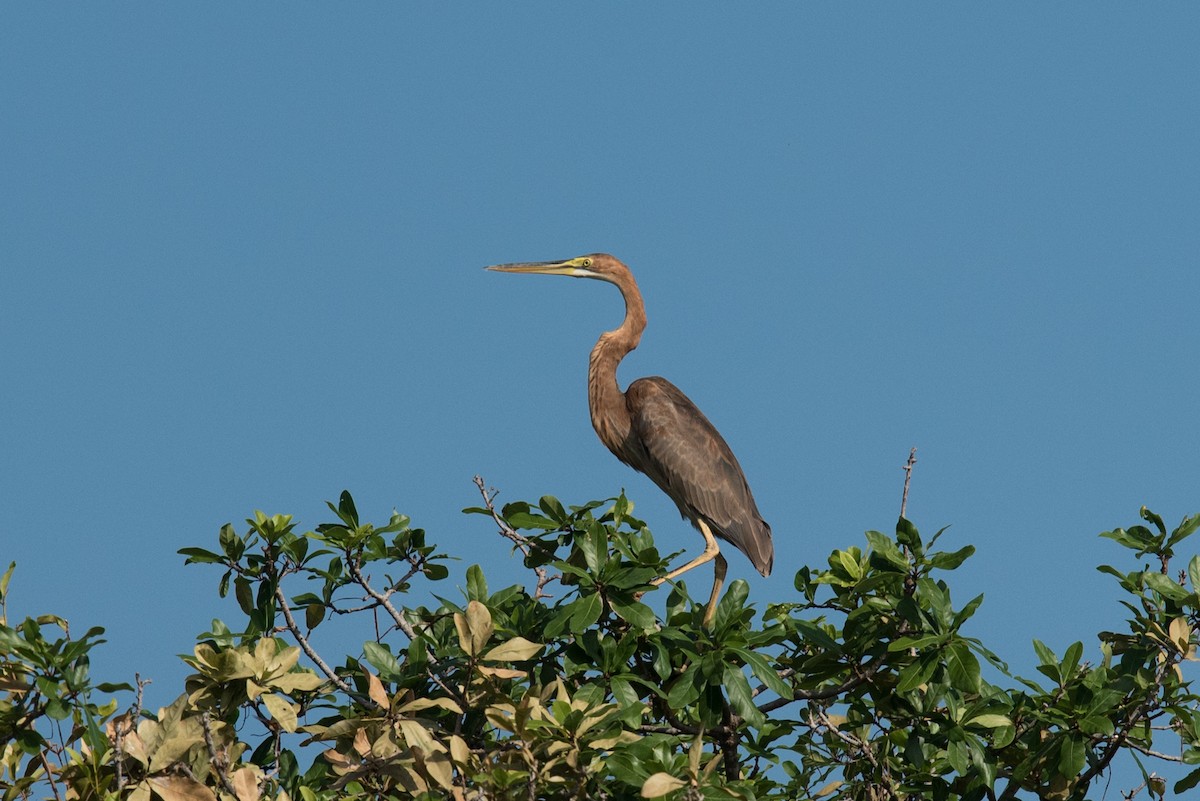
(690, 461)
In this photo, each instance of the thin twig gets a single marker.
(311, 653)
(908, 468)
(125, 725)
(219, 763)
(50, 775)
(379, 598)
(433, 671)
(507, 531)
(861, 674)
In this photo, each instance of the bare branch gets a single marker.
(507, 531)
(302, 641)
(219, 762)
(908, 469)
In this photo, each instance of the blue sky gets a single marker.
(241, 257)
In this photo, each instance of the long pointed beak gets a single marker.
(542, 267)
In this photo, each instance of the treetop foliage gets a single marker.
(866, 684)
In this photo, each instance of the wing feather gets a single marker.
(689, 460)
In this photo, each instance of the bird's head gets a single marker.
(600, 266)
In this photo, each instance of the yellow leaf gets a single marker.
(440, 770)
(264, 652)
(500, 673)
(180, 788)
(479, 620)
(417, 736)
(304, 682)
(609, 743)
(361, 744)
(828, 789)
(245, 784)
(459, 750)
(375, 689)
(337, 759)
(426, 703)
(282, 710)
(175, 746)
(285, 660)
(517, 649)
(132, 745)
(1181, 634)
(660, 784)
(464, 633)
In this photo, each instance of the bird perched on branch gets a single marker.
(655, 429)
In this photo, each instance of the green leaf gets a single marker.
(850, 564)
(811, 632)
(1097, 724)
(686, 689)
(594, 545)
(553, 509)
(764, 672)
(730, 607)
(1194, 573)
(380, 657)
(916, 643)
(1187, 782)
(1003, 735)
(346, 510)
(1184, 530)
(477, 589)
(1165, 586)
(586, 611)
(313, 615)
(740, 696)
(907, 534)
(990, 721)
(919, 672)
(244, 593)
(1137, 538)
(949, 561)
(1150, 517)
(963, 667)
(527, 520)
(623, 692)
(194, 556)
(967, 611)
(1072, 757)
(231, 543)
(884, 554)
(1044, 654)
(636, 614)
(1070, 661)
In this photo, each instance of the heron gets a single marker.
(657, 430)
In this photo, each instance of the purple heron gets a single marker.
(655, 429)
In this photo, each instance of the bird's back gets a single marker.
(673, 443)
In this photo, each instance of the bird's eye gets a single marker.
(587, 262)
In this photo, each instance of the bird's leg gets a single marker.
(718, 580)
(712, 550)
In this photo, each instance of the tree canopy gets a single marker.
(866, 684)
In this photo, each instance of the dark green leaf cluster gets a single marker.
(589, 681)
